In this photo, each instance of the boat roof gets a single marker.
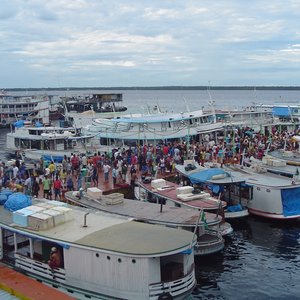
(108, 232)
(169, 193)
(160, 117)
(263, 179)
(146, 211)
(202, 174)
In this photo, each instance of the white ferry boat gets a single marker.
(101, 256)
(146, 128)
(208, 241)
(14, 108)
(49, 142)
(270, 195)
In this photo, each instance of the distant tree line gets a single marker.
(159, 88)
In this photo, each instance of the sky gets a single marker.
(95, 43)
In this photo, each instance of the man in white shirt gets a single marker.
(15, 171)
(106, 168)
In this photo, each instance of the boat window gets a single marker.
(141, 127)
(164, 126)
(25, 144)
(35, 144)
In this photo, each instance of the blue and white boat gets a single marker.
(151, 128)
(221, 184)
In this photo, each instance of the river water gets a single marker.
(261, 260)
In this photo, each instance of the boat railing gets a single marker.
(39, 268)
(176, 287)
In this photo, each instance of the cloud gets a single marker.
(126, 42)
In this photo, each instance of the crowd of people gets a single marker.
(124, 165)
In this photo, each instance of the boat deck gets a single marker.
(108, 233)
(287, 170)
(169, 193)
(263, 179)
(146, 211)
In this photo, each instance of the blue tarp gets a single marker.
(281, 111)
(19, 124)
(17, 201)
(290, 201)
(234, 208)
(56, 158)
(205, 175)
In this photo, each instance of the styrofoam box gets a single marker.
(68, 212)
(279, 163)
(157, 183)
(36, 208)
(20, 217)
(264, 160)
(288, 154)
(188, 162)
(44, 204)
(270, 162)
(190, 196)
(94, 193)
(56, 203)
(40, 221)
(184, 190)
(58, 216)
(114, 198)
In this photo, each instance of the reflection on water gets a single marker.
(261, 260)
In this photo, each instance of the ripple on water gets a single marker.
(261, 260)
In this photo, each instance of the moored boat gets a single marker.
(216, 181)
(101, 256)
(153, 128)
(49, 142)
(208, 241)
(98, 102)
(14, 108)
(271, 195)
(159, 190)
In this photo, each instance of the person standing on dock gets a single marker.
(106, 168)
(57, 185)
(47, 186)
